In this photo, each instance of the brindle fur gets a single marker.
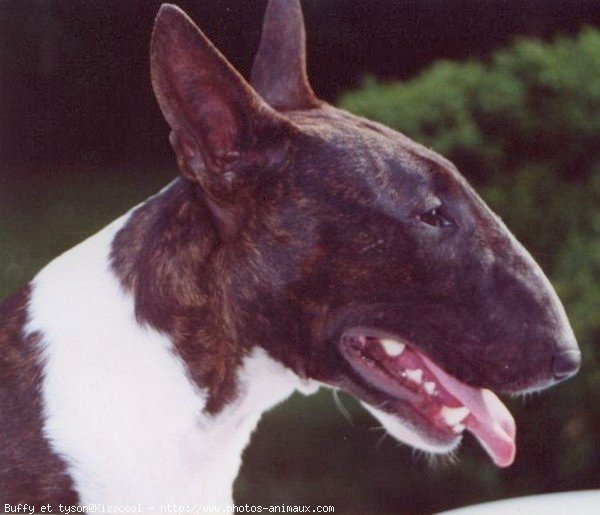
(291, 223)
(29, 471)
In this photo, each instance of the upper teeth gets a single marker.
(392, 347)
(415, 375)
(453, 416)
(429, 387)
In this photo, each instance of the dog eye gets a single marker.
(436, 218)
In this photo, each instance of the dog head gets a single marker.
(355, 256)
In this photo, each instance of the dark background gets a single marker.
(82, 140)
(74, 74)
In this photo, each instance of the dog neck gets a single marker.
(167, 258)
(146, 397)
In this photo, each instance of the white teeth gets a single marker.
(453, 416)
(415, 375)
(393, 348)
(458, 428)
(429, 387)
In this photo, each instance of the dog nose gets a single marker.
(566, 364)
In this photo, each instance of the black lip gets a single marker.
(371, 331)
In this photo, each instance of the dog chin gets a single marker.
(405, 432)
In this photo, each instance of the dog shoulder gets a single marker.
(30, 471)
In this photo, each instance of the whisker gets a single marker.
(340, 405)
(381, 439)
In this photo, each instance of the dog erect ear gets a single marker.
(279, 70)
(221, 128)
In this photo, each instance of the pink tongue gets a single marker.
(490, 421)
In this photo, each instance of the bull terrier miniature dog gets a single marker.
(300, 246)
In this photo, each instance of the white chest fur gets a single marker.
(118, 402)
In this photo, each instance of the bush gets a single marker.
(531, 103)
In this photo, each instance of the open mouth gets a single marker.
(437, 405)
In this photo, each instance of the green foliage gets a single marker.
(533, 102)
